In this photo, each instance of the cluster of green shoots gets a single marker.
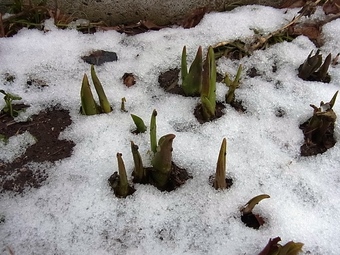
(201, 80)
(161, 161)
(8, 108)
(88, 105)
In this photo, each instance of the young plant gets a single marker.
(319, 128)
(247, 217)
(153, 135)
(88, 104)
(232, 85)
(192, 80)
(220, 181)
(208, 92)
(162, 161)
(104, 103)
(274, 248)
(8, 108)
(313, 69)
(139, 172)
(141, 128)
(119, 182)
(122, 105)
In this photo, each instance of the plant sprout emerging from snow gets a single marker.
(162, 161)
(139, 172)
(153, 134)
(163, 174)
(88, 104)
(119, 182)
(122, 104)
(318, 130)
(247, 217)
(220, 181)
(208, 92)
(274, 248)
(8, 109)
(192, 81)
(141, 128)
(233, 85)
(313, 69)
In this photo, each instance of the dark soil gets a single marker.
(178, 176)
(252, 220)
(218, 113)
(45, 127)
(169, 82)
(312, 145)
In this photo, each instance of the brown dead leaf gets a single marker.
(332, 7)
(194, 17)
(293, 4)
(150, 25)
(311, 30)
(129, 79)
(133, 29)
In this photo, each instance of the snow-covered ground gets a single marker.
(75, 212)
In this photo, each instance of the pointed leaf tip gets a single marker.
(249, 206)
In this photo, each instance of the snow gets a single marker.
(75, 212)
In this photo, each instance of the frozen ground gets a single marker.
(75, 212)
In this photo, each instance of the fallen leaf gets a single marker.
(311, 30)
(150, 25)
(99, 57)
(332, 7)
(194, 17)
(129, 79)
(292, 4)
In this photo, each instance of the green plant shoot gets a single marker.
(122, 104)
(220, 176)
(9, 98)
(104, 103)
(139, 173)
(233, 85)
(141, 128)
(88, 105)
(192, 80)
(208, 92)
(249, 206)
(162, 161)
(153, 135)
(119, 181)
